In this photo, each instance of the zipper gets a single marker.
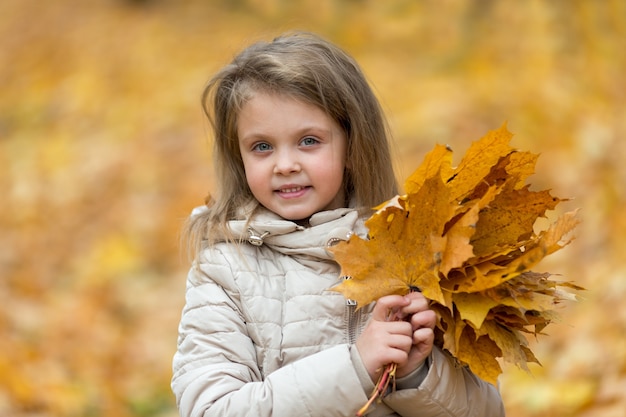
(352, 318)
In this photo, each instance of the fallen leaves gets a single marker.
(465, 238)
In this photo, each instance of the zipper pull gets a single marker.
(349, 301)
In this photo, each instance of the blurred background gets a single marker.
(104, 151)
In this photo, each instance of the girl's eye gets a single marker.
(262, 147)
(309, 140)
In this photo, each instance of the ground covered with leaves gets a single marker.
(103, 152)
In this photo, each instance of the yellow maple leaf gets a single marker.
(480, 353)
(479, 161)
(465, 237)
(410, 223)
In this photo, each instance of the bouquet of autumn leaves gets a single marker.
(465, 238)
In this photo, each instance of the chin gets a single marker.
(297, 216)
(297, 219)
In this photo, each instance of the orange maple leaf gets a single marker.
(465, 238)
(416, 221)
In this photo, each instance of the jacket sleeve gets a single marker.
(216, 372)
(447, 390)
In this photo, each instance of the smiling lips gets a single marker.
(292, 191)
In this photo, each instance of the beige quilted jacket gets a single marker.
(261, 335)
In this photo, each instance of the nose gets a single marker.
(286, 162)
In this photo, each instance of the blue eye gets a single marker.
(262, 147)
(309, 140)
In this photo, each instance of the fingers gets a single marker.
(388, 304)
(416, 303)
(401, 331)
(385, 339)
(424, 336)
(399, 345)
(423, 340)
(384, 342)
(396, 307)
(424, 319)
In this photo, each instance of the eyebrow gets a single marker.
(309, 129)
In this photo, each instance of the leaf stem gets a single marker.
(388, 375)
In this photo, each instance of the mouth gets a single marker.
(291, 189)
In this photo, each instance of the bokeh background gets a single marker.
(104, 151)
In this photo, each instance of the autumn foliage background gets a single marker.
(104, 151)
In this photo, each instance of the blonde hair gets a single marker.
(308, 68)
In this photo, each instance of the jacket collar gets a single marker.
(287, 237)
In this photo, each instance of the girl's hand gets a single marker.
(400, 331)
(423, 322)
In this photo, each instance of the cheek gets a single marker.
(249, 178)
(332, 178)
(248, 170)
(335, 169)
(255, 180)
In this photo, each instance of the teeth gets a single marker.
(290, 190)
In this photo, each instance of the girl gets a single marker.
(302, 153)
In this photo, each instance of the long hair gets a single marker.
(306, 67)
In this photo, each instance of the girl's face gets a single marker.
(293, 154)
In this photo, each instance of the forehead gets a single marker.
(265, 96)
(275, 112)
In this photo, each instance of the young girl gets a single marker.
(302, 154)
